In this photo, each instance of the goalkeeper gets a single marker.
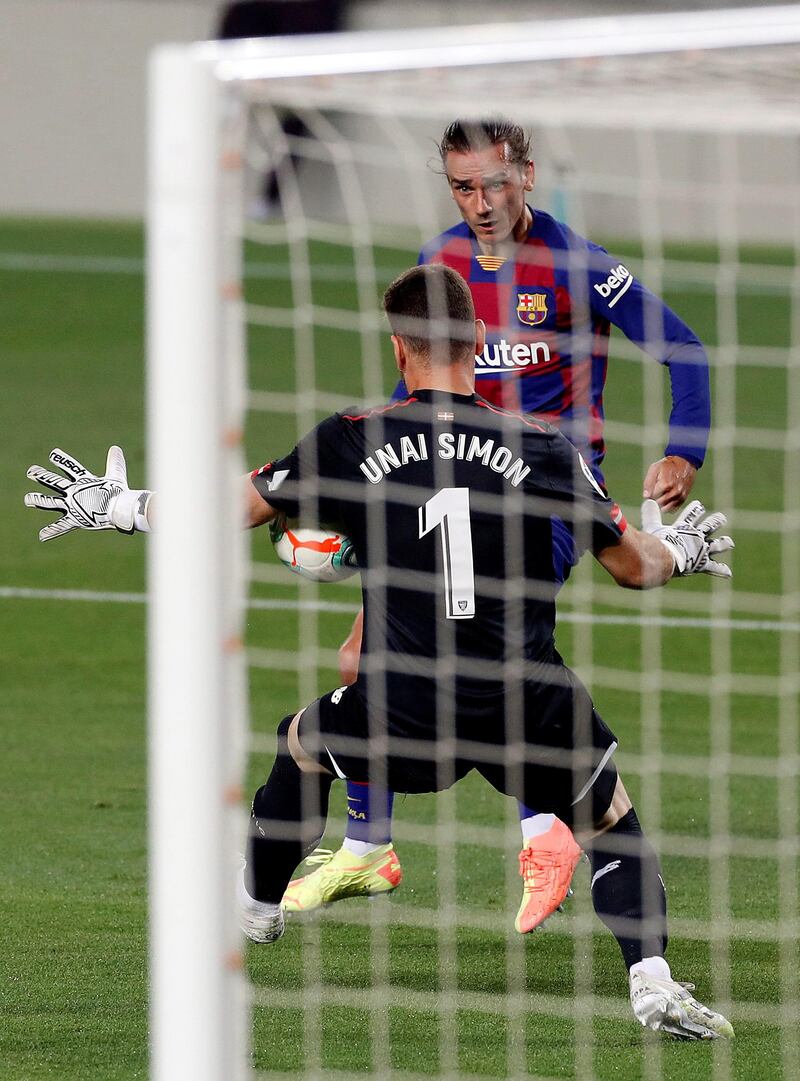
(548, 298)
(458, 658)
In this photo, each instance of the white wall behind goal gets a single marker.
(72, 107)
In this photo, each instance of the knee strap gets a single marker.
(288, 820)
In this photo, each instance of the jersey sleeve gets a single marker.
(303, 484)
(616, 295)
(593, 518)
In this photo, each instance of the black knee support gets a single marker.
(287, 822)
(628, 891)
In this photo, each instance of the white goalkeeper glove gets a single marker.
(86, 501)
(687, 539)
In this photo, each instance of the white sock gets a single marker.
(267, 909)
(257, 908)
(535, 826)
(360, 848)
(652, 966)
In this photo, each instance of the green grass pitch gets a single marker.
(72, 771)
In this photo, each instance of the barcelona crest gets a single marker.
(531, 308)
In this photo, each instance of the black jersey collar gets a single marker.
(441, 396)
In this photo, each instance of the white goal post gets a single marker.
(196, 403)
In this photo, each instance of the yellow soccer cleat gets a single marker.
(546, 867)
(343, 874)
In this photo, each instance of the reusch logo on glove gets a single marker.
(74, 468)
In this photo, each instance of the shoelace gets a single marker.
(529, 865)
(320, 856)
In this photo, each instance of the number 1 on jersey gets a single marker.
(449, 508)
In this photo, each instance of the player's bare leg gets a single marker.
(630, 898)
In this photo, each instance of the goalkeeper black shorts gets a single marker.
(545, 745)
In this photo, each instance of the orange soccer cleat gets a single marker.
(546, 867)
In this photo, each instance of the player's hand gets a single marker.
(687, 539)
(669, 481)
(86, 501)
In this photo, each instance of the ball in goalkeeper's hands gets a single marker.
(316, 554)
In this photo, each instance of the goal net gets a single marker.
(291, 181)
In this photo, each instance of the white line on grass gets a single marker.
(72, 264)
(264, 603)
(123, 264)
(291, 605)
(758, 278)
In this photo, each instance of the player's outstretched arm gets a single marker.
(86, 501)
(669, 481)
(647, 558)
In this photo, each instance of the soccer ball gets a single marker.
(316, 554)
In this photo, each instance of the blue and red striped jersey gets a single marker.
(548, 315)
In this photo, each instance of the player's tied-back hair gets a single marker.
(462, 136)
(430, 307)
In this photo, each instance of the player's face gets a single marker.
(490, 193)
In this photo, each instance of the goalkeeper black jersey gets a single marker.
(448, 501)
